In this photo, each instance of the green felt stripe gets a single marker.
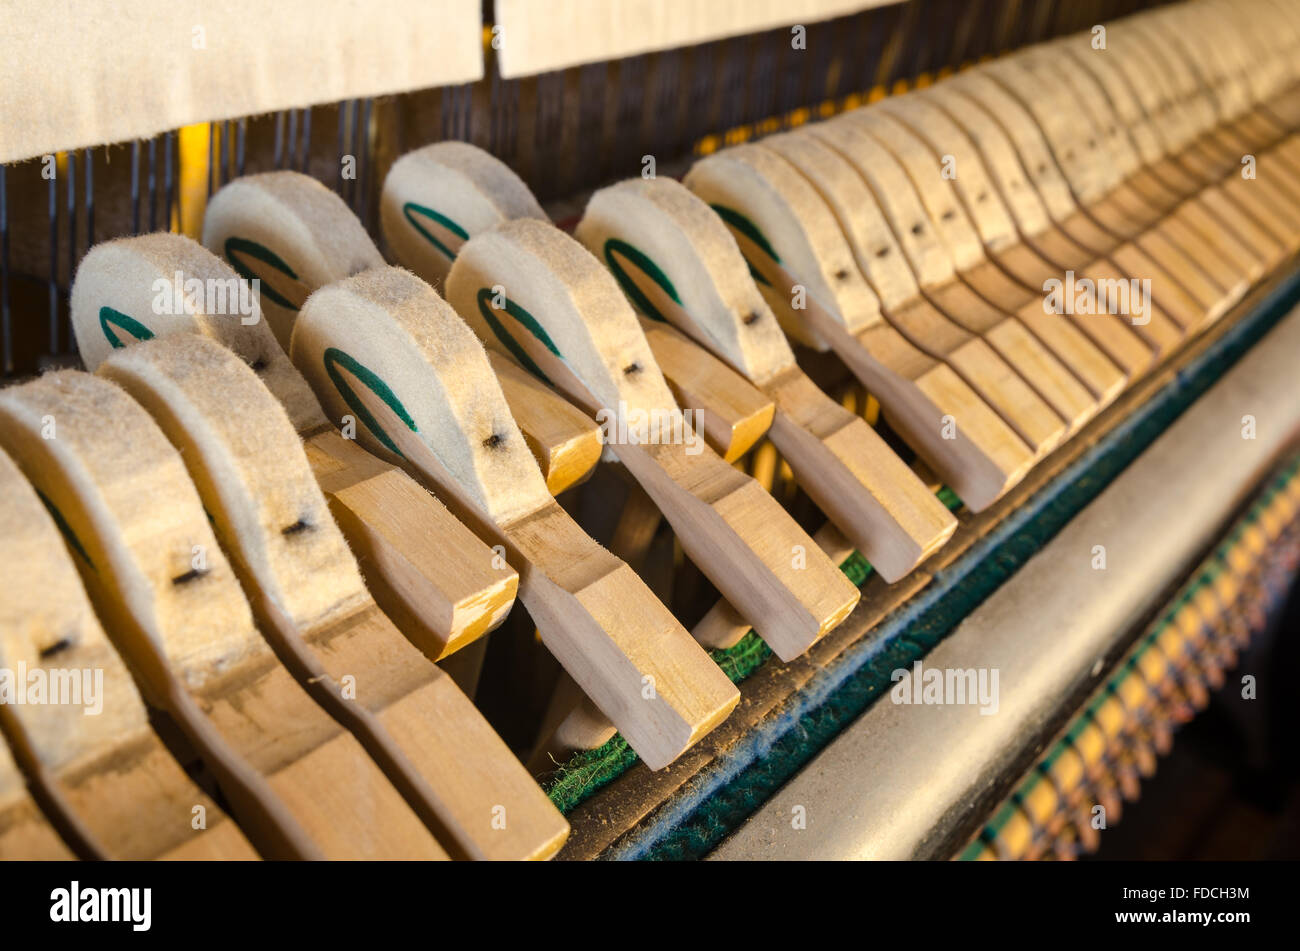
(1057, 751)
(65, 530)
(746, 227)
(236, 246)
(615, 251)
(109, 318)
(334, 358)
(411, 209)
(1026, 787)
(507, 339)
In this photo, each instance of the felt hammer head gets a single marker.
(291, 232)
(389, 331)
(764, 199)
(155, 285)
(657, 230)
(528, 284)
(47, 623)
(437, 197)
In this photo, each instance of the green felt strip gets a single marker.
(507, 339)
(411, 209)
(746, 227)
(65, 530)
(108, 318)
(588, 770)
(237, 246)
(615, 252)
(333, 358)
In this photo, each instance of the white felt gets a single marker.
(855, 208)
(297, 218)
(251, 470)
(796, 221)
(968, 176)
(999, 155)
(123, 490)
(539, 37)
(1032, 147)
(77, 73)
(689, 242)
(459, 181)
(575, 300)
(398, 327)
(48, 625)
(896, 196)
(143, 277)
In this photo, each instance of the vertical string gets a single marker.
(363, 173)
(72, 227)
(306, 140)
(135, 187)
(52, 284)
(212, 155)
(90, 199)
(279, 140)
(153, 184)
(6, 332)
(227, 146)
(291, 144)
(169, 180)
(354, 127)
(338, 148)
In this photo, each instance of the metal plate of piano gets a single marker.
(980, 316)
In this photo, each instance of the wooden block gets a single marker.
(563, 439)
(1170, 296)
(91, 750)
(1266, 246)
(560, 300)
(843, 454)
(734, 413)
(308, 598)
(1217, 262)
(400, 535)
(579, 726)
(1052, 380)
(168, 597)
(987, 374)
(1113, 333)
(421, 385)
(1213, 299)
